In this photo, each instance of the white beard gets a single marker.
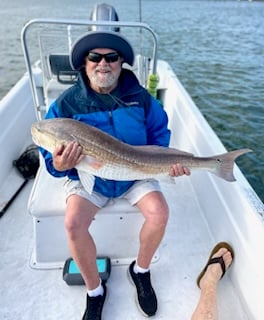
(105, 81)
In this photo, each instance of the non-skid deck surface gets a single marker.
(28, 294)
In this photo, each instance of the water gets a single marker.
(215, 47)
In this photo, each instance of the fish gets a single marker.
(109, 158)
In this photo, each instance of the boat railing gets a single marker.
(69, 24)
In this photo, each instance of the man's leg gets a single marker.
(79, 215)
(207, 304)
(155, 211)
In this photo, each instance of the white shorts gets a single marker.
(138, 190)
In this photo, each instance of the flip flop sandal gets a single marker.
(216, 260)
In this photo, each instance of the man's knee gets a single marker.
(72, 221)
(78, 219)
(160, 216)
(157, 212)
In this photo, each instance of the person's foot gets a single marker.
(94, 306)
(214, 271)
(146, 297)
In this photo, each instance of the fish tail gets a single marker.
(225, 164)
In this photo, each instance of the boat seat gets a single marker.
(58, 77)
(60, 66)
(115, 227)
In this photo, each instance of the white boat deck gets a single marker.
(42, 294)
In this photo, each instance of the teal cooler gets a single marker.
(72, 275)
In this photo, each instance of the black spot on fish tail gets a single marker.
(225, 164)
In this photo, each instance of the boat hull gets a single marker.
(203, 210)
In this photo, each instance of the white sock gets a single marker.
(97, 291)
(138, 269)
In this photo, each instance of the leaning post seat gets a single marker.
(115, 227)
(61, 67)
(59, 77)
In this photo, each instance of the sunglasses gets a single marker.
(97, 57)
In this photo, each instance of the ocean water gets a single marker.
(216, 49)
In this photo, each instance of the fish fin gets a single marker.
(92, 162)
(225, 162)
(156, 149)
(181, 152)
(87, 180)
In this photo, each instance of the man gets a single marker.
(109, 97)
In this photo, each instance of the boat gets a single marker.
(204, 209)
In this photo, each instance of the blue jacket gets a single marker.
(134, 117)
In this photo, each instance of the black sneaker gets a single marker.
(94, 306)
(146, 297)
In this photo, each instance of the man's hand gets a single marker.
(65, 158)
(177, 170)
